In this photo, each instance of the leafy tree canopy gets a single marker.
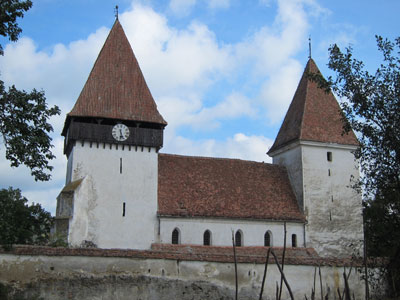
(372, 109)
(10, 10)
(24, 116)
(20, 223)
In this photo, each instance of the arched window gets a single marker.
(294, 240)
(267, 239)
(207, 238)
(175, 236)
(238, 239)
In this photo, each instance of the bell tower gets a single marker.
(320, 162)
(112, 137)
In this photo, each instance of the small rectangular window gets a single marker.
(329, 156)
(120, 165)
(123, 209)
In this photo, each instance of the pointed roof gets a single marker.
(314, 115)
(116, 87)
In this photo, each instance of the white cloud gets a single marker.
(218, 4)
(181, 67)
(181, 7)
(276, 100)
(239, 146)
(172, 59)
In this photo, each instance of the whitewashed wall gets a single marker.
(331, 205)
(98, 205)
(82, 275)
(192, 231)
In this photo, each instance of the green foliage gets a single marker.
(25, 130)
(372, 109)
(20, 223)
(10, 10)
(24, 116)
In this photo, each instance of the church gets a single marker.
(122, 192)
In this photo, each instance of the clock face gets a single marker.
(120, 132)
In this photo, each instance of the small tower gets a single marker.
(320, 162)
(112, 137)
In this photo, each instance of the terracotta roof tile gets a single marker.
(313, 115)
(116, 87)
(227, 188)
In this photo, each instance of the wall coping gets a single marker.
(293, 256)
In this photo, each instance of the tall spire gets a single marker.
(313, 115)
(116, 88)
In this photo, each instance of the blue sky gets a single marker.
(222, 72)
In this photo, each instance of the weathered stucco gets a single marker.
(79, 277)
(116, 203)
(192, 231)
(323, 189)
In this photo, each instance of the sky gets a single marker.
(222, 72)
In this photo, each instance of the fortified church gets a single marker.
(121, 192)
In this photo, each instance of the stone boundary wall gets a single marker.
(293, 256)
(165, 272)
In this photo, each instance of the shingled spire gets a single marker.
(116, 88)
(313, 115)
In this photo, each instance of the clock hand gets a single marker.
(120, 134)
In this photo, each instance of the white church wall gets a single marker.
(192, 231)
(332, 206)
(291, 158)
(120, 198)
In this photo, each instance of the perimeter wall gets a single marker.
(166, 272)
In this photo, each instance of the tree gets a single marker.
(20, 223)
(24, 116)
(372, 110)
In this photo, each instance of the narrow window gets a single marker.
(267, 239)
(123, 209)
(238, 239)
(207, 238)
(329, 172)
(175, 236)
(120, 165)
(294, 240)
(329, 156)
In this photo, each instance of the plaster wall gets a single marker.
(292, 159)
(192, 231)
(332, 206)
(79, 277)
(116, 204)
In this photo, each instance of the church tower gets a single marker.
(112, 137)
(320, 162)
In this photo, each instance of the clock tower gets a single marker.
(112, 137)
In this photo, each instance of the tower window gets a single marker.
(267, 239)
(123, 209)
(294, 240)
(207, 238)
(120, 165)
(238, 239)
(329, 156)
(175, 236)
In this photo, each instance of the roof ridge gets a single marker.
(216, 158)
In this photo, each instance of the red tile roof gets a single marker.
(116, 87)
(313, 115)
(226, 188)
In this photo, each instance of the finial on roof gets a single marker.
(116, 12)
(309, 47)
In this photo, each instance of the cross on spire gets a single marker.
(309, 47)
(116, 12)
